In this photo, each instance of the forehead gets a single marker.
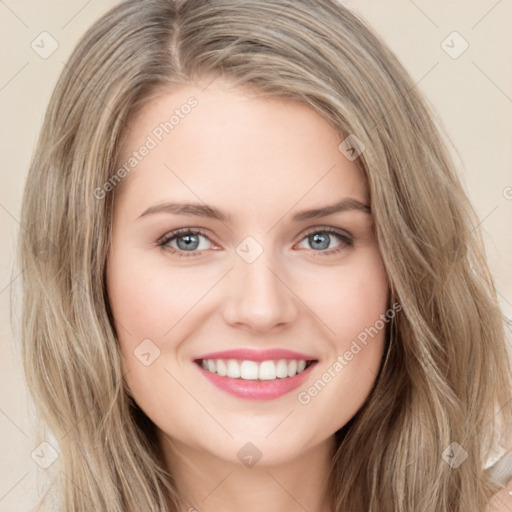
(232, 145)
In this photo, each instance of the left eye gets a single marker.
(321, 238)
(188, 241)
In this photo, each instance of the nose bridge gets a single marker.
(258, 296)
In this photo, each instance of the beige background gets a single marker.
(472, 94)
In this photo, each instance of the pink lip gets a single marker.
(256, 355)
(257, 389)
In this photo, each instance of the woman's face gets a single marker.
(264, 269)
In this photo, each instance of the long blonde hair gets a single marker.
(447, 376)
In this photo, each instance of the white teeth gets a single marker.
(292, 368)
(253, 370)
(233, 369)
(248, 370)
(282, 368)
(222, 368)
(267, 370)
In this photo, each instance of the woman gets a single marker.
(187, 340)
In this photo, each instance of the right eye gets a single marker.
(187, 240)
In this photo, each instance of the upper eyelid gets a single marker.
(182, 231)
(335, 231)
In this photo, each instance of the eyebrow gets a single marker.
(204, 210)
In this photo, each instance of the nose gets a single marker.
(259, 297)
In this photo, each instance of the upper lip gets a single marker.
(250, 354)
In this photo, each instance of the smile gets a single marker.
(255, 370)
(256, 380)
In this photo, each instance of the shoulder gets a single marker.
(501, 473)
(502, 500)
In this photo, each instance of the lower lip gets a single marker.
(257, 389)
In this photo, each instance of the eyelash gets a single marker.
(346, 241)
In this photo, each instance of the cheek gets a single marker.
(149, 304)
(342, 384)
(155, 307)
(354, 307)
(148, 300)
(351, 299)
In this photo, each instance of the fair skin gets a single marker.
(260, 161)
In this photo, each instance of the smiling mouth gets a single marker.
(245, 369)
